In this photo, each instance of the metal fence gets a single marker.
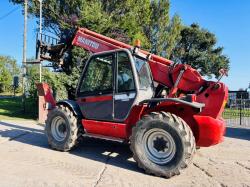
(237, 112)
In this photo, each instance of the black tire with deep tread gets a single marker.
(180, 132)
(72, 126)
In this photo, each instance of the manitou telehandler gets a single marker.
(125, 94)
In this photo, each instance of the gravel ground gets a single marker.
(26, 160)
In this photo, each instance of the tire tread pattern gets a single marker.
(181, 126)
(73, 134)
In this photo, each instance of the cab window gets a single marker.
(98, 75)
(144, 74)
(125, 78)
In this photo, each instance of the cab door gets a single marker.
(96, 88)
(125, 94)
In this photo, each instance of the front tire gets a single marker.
(62, 129)
(162, 144)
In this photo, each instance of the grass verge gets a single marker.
(12, 109)
(235, 113)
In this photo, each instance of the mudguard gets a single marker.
(73, 106)
(174, 100)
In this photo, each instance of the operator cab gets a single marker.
(112, 83)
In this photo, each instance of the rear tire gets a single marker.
(62, 129)
(162, 144)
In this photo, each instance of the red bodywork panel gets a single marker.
(207, 126)
(191, 79)
(117, 130)
(210, 130)
(95, 99)
(45, 91)
(45, 97)
(214, 99)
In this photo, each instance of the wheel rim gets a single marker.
(159, 146)
(58, 128)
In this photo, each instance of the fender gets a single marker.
(73, 106)
(174, 100)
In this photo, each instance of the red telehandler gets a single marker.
(125, 94)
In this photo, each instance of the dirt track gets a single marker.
(26, 160)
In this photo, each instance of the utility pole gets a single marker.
(24, 53)
(41, 100)
(40, 36)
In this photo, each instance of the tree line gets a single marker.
(8, 69)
